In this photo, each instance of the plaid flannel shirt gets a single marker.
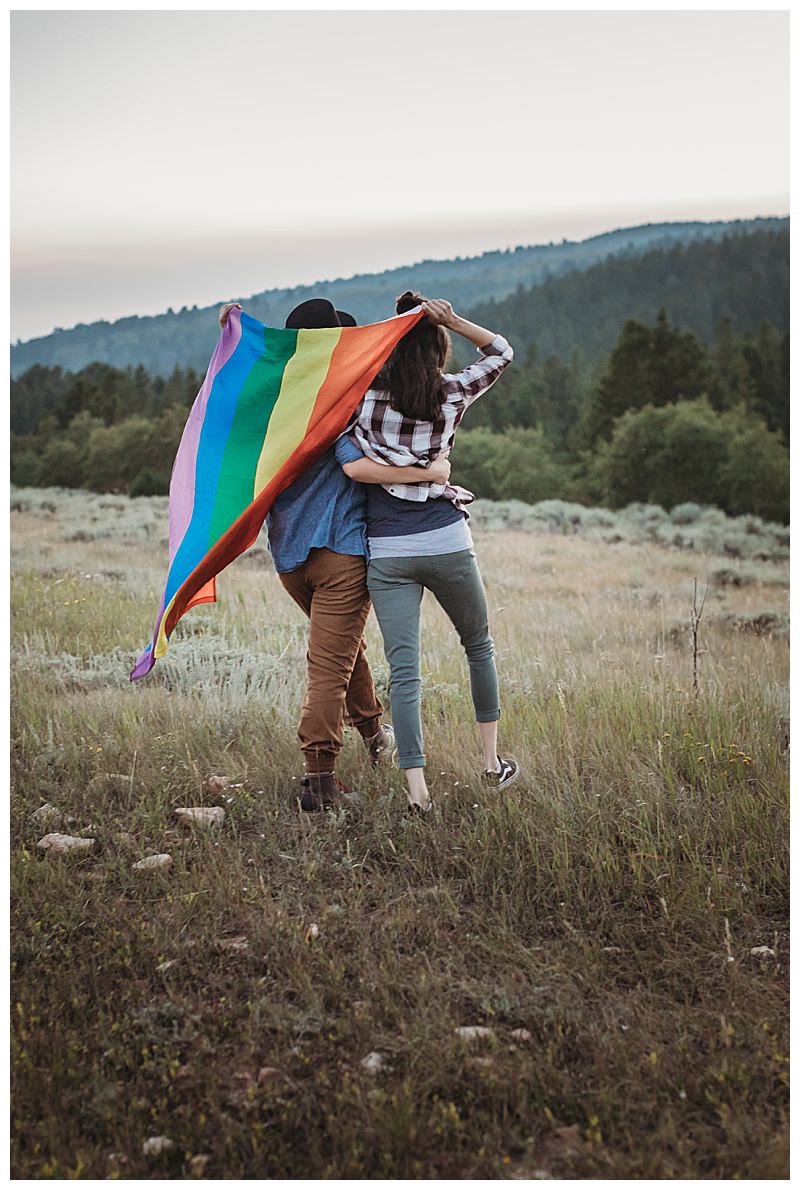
(385, 436)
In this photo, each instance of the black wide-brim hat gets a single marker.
(316, 313)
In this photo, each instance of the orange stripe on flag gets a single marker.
(356, 360)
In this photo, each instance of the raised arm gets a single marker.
(441, 312)
(496, 353)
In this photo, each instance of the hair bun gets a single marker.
(407, 301)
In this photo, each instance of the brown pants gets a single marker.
(332, 591)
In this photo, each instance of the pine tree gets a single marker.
(649, 366)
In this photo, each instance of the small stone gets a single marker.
(202, 815)
(154, 1146)
(197, 1164)
(166, 965)
(612, 950)
(215, 785)
(374, 1063)
(57, 844)
(763, 952)
(522, 1034)
(161, 862)
(268, 1074)
(48, 815)
(474, 1032)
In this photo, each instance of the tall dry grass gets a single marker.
(608, 905)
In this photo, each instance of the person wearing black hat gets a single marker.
(317, 536)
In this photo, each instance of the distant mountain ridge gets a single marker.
(186, 338)
(743, 278)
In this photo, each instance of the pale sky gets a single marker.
(171, 158)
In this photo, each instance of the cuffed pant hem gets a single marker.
(488, 717)
(368, 728)
(411, 762)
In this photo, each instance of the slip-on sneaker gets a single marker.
(509, 771)
(382, 748)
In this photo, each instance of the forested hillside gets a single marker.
(186, 337)
(743, 278)
(678, 391)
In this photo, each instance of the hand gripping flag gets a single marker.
(272, 402)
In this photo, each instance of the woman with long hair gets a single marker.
(418, 533)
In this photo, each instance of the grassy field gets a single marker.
(598, 920)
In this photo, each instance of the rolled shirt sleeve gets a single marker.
(468, 384)
(347, 451)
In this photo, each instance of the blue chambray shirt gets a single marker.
(321, 509)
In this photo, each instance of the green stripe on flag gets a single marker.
(248, 429)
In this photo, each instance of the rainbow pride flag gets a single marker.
(271, 403)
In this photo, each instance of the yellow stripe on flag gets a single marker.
(303, 377)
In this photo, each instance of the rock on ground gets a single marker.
(161, 862)
(374, 1063)
(268, 1074)
(48, 815)
(214, 785)
(57, 844)
(474, 1032)
(155, 1145)
(202, 815)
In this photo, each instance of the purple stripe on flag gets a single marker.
(182, 483)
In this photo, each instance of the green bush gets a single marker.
(25, 468)
(688, 453)
(150, 483)
(516, 465)
(755, 476)
(473, 458)
(61, 464)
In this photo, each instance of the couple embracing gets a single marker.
(376, 520)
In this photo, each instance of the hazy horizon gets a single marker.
(291, 282)
(157, 163)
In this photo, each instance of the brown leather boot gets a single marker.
(324, 791)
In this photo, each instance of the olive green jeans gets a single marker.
(396, 586)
